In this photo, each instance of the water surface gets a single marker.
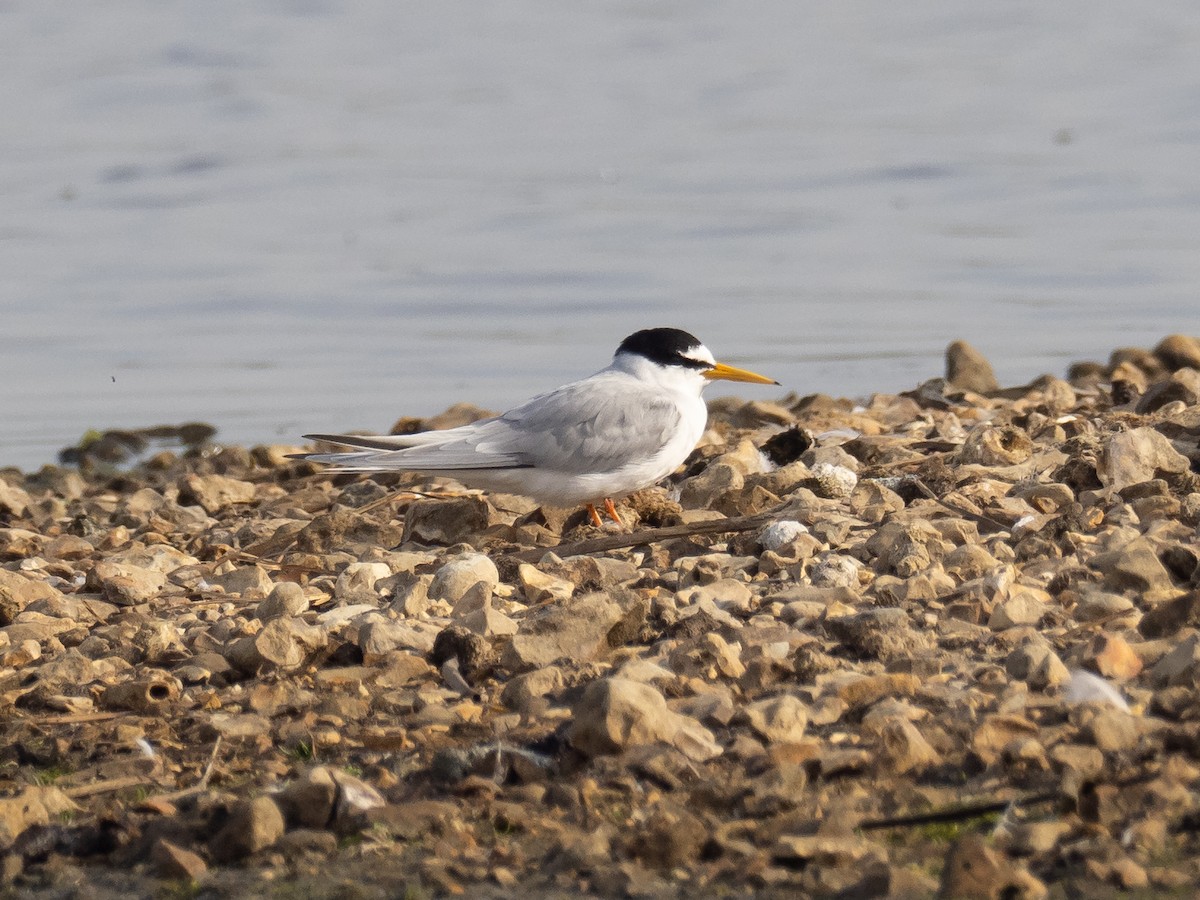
(291, 216)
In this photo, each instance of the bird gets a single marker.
(605, 436)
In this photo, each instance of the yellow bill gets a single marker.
(722, 372)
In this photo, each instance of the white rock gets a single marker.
(781, 533)
(458, 576)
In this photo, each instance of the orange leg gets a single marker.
(611, 510)
(595, 516)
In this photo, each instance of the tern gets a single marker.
(615, 432)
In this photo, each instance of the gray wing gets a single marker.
(595, 425)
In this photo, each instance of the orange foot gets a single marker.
(609, 510)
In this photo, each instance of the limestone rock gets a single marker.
(577, 630)
(616, 714)
(778, 719)
(540, 587)
(214, 492)
(458, 576)
(445, 522)
(247, 582)
(1131, 457)
(253, 825)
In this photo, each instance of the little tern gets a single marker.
(622, 429)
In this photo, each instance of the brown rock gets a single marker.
(1168, 617)
(1138, 455)
(778, 719)
(214, 492)
(446, 522)
(340, 527)
(968, 370)
(989, 445)
(1111, 656)
(577, 630)
(175, 863)
(34, 805)
(883, 634)
(144, 695)
(125, 584)
(672, 836)
(904, 747)
(974, 871)
(454, 579)
(1135, 567)
(253, 825)
(1036, 663)
(615, 714)
(309, 802)
(285, 599)
(283, 643)
(247, 582)
(13, 500)
(1179, 351)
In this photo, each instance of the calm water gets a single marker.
(291, 216)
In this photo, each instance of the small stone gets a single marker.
(672, 836)
(780, 719)
(283, 643)
(1112, 730)
(377, 639)
(879, 634)
(539, 587)
(1024, 607)
(286, 599)
(1134, 567)
(990, 445)
(357, 581)
(248, 582)
(969, 370)
(1181, 666)
(1112, 657)
(1097, 605)
(904, 747)
(309, 802)
(778, 534)
(446, 522)
(997, 732)
(615, 714)
(214, 492)
(175, 863)
(974, 871)
(458, 576)
(489, 623)
(1036, 663)
(253, 825)
(701, 491)
(13, 500)
(1037, 838)
(30, 806)
(1168, 617)
(833, 481)
(577, 630)
(726, 593)
(1179, 351)
(1138, 455)
(125, 584)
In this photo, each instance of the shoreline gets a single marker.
(945, 632)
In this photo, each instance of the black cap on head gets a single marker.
(665, 346)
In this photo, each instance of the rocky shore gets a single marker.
(943, 643)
